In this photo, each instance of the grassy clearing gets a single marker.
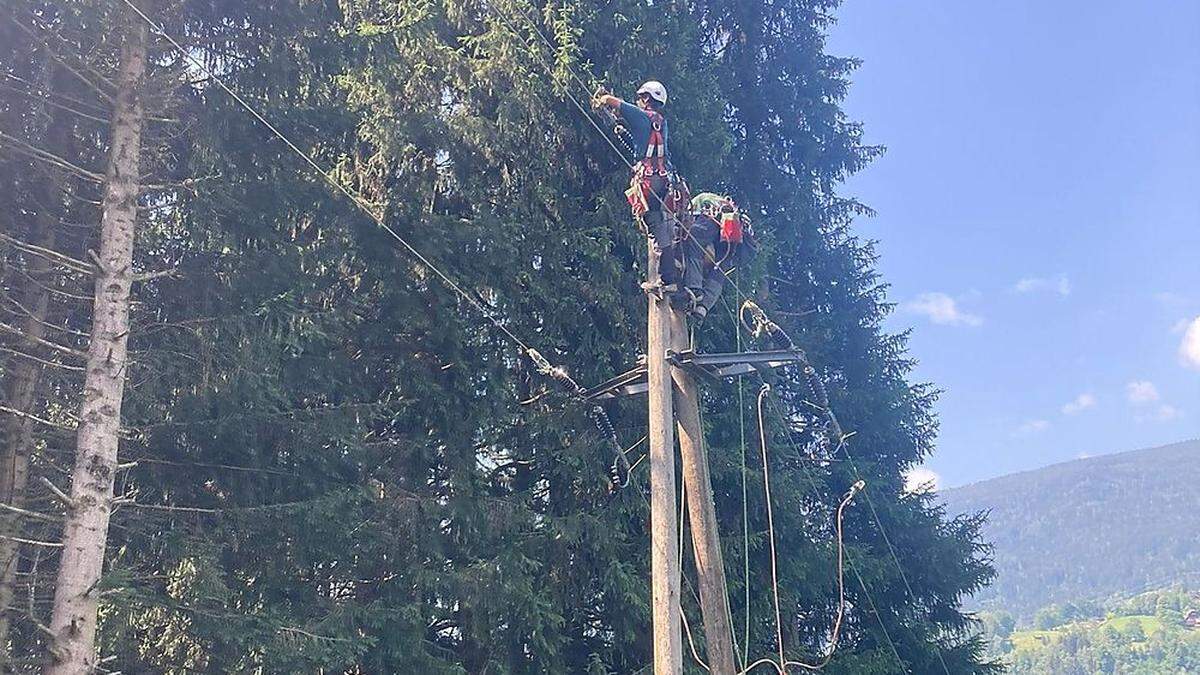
(1032, 639)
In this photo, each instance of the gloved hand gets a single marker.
(598, 97)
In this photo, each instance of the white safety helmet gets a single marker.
(656, 91)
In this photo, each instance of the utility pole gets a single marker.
(702, 512)
(667, 330)
(664, 535)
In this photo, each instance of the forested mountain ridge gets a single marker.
(324, 460)
(1090, 528)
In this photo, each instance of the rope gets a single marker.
(739, 322)
(762, 435)
(620, 467)
(817, 388)
(816, 492)
(762, 323)
(583, 110)
(783, 663)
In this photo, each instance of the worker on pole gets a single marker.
(719, 239)
(650, 190)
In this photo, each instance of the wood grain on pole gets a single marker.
(702, 513)
(664, 534)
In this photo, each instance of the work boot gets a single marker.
(658, 289)
(686, 299)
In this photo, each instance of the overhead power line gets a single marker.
(339, 187)
(591, 120)
(620, 467)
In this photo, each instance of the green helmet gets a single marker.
(712, 205)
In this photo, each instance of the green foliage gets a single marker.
(334, 472)
(1057, 615)
(1125, 641)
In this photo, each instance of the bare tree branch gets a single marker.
(62, 496)
(45, 156)
(43, 342)
(30, 514)
(32, 542)
(48, 254)
(35, 418)
(44, 362)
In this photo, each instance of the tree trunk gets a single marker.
(73, 621)
(21, 385)
(22, 377)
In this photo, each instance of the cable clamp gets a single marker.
(858, 486)
(762, 324)
(542, 364)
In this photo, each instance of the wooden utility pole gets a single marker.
(702, 513)
(664, 534)
(668, 329)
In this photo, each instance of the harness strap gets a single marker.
(656, 148)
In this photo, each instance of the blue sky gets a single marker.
(1038, 217)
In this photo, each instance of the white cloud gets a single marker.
(1082, 455)
(1059, 284)
(921, 479)
(1189, 347)
(942, 310)
(1033, 427)
(1082, 402)
(1166, 413)
(1141, 392)
(1145, 398)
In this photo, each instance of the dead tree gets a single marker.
(85, 534)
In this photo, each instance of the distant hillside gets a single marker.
(1091, 528)
(1144, 635)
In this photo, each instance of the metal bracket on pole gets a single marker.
(708, 366)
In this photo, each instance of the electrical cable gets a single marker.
(583, 110)
(783, 663)
(620, 468)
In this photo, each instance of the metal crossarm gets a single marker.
(722, 366)
(709, 366)
(629, 383)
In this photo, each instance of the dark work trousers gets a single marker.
(706, 261)
(661, 227)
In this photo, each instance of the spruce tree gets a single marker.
(342, 465)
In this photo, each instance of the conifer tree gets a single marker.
(338, 463)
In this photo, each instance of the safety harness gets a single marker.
(652, 165)
(656, 149)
